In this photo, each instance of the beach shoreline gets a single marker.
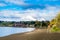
(37, 34)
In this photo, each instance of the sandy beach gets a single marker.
(38, 34)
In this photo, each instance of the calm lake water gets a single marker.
(5, 31)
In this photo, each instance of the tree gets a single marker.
(45, 23)
(56, 24)
(58, 20)
(53, 22)
(37, 24)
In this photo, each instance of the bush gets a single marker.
(55, 29)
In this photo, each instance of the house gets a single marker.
(19, 24)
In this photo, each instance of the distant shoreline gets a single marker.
(17, 27)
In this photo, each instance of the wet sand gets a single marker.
(38, 34)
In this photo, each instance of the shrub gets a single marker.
(55, 28)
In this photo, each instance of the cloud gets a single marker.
(27, 4)
(29, 14)
(16, 2)
(2, 4)
(28, 10)
(31, 2)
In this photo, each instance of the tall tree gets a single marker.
(53, 21)
(58, 20)
(37, 24)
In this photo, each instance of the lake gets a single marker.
(5, 31)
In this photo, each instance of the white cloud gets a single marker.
(2, 4)
(17, 2)
(29, 14)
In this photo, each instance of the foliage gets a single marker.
(58, 20)
(55, 23)
(41, 24)
(4, 23)
(55, 29)
(37, 24)
(45, 23)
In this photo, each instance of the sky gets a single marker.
(28, 10)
